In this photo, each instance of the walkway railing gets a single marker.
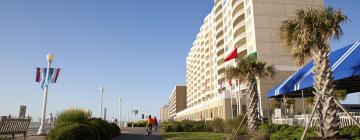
(302, 119)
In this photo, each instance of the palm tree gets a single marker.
(307, 35)
(248, 70)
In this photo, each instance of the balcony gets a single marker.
(218, 16)
(218, 7)
(220, 43)
(220, 52)
(238, 19)
(219, 25)
(237, 6)
(238, 38)
(240, 42)
(220, 38)
(221, 70)
(240, 29)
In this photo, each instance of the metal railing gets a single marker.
(302, 119)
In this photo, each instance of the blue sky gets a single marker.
(136, 49)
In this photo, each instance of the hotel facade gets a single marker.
(177, 101)
(252, 27)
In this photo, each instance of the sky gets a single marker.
(136, 49)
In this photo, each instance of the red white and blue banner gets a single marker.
(41, 76)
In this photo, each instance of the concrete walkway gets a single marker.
(137, 133)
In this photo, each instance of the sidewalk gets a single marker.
(137, 133)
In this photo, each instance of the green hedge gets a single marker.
(73, 115)
(186, 126)
(286, 132)
(141, 123)
(102, 126)
(352, 132)
(76, 124)
(74, 131)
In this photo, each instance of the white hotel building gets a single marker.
(251, 26)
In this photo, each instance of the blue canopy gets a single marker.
(345, 65)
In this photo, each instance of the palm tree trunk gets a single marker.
(323, 86)
(252, 104)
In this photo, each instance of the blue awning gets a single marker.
(345, 65)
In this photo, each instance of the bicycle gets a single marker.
(149, 130)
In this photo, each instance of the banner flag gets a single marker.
(232, 55)
(41, 76)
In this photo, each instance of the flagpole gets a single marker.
(42, 130)
(231, 102)
(101, 101)
(119, 112)
(239, 107)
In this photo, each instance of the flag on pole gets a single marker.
(230, 83)
(41, 76)
(232, 55)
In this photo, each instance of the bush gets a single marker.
(352, 132)
(5, 138)
(103, 127)
(73, 131)
(73, 115)
(186, 126)
(76, 124)
(286, 132)
(217, 125)
(141, 123)
(232, 124)
(115, 129)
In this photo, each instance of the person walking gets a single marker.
(155, 123)
(51, 119)
(149, 125)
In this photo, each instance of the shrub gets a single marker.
(73, 115)
(141, 123)
(232, 124)
(102, 126)
(352, 132)
(5, 138)
(260, 135)
(286, 132)
(166, 126)
(186, 126)
(114, 129)
(73, 131)
(217, 125)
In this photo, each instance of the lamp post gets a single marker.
(42, 131)
(119, 111)
(101, 101)
(127, 117)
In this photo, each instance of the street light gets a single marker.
(127, 117)
(101, 101)
(119, 111)
(42, 131)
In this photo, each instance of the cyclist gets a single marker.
(149, 125)
(155, 123)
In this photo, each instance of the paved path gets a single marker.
(137, 133)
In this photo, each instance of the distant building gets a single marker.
(177, 101)
(164, 113)
(249, 27)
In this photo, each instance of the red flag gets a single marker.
(230, 83)
(232, 55)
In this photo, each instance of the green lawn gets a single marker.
(192, 136)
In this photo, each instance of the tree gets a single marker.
(248, 70)
(307, 35)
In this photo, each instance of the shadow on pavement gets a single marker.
(137, 137)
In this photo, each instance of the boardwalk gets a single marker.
(137, 134)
